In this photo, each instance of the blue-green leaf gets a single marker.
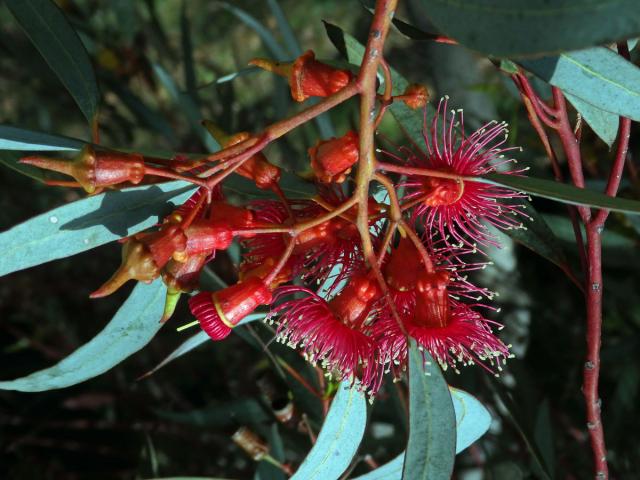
(472, 421)
(431, 448)
(59, 44)
(13, 138)
(290, 40)
(86, 224)
(339, 438)
(598, 76)
(604, 124)
(562, 192)
(508, 28)
(132, 327)
(188, 106)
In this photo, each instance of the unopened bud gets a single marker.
(415, 96)
(331, 160)
(251, 443)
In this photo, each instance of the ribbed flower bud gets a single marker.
(415, 96)
(94, 169)
(220, 311)
(331, 160)
(307, 77)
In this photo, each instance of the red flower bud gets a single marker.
(203, 237)
(353, 303)
(248, 270)
(235, 218)
(432, 299)
(180, 277)
(415, 96)
(401, 269)
(221, 311)
(442, 191)
(307, 76)
(331, 160)
(96, 169)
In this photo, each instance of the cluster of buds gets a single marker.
(408, 279)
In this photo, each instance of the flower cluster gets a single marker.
(347, 304)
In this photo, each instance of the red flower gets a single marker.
(424, 298)
(307, 76)
(334, 332)
(458, 207)
(219, 312)
(331, 160)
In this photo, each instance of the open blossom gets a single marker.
(450, 330)
(458, 208)
(334, 333)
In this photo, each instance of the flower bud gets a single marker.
(257, 168)
(415, 96)
(249, 270)
(180, 277)
(221, 311)
(235, 218)
(96, 169)
(204, 237)
(354, 301)
(432, 299)
(401, 269)
(331, 160)
(308, 77)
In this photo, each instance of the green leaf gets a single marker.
(239, 411)
(293, 47)
(561, 192)
(598, 76)
(87, 223)
(472, 422)
(13, 138)
(537, 236)
(187, 51)
(188, 106)
(431, 447)
(411, 121)
(132, 327)
(58, 43)
(339, 439)
(512, 28)
(604, 124)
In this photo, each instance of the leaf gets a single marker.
(538, 237)
(598, 76)
(432, 434)
(543, 434)
(561, 192)
(11, 160)
(604, 124)
(13, 138)
(194, 342)
(59, 44)
(132, 327)
(188, 106)
(472, 422)
(339, 438)
(290, 40)
(187, 51)
(239, 411)
(512, 28)
(86, 224)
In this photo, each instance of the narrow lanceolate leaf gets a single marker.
(431, 447)
(132, 327)
(58, 43)
(87, 223)
(604, 124)
(598, 76)
(561, 192)
(11, 159)
(472, 422)
(411, 121)
(538, 236)
(13, 138)
(339, 438)
(511, 28)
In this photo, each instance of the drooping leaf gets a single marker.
(537, 236)
(194, 342)
(604, 124)
(598, 76)
(432, 423)
(132, 327)
(339, 438)
(472, 422)
(188, 106)
(561, 192)
(187, 51)
(13, 138)
(59, 44)
(511, 28)
(86, 224)
(243, 411)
